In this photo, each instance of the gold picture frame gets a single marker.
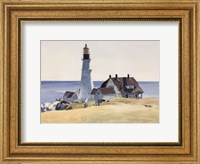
(14, 12)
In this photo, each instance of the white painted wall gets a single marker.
(86, 81)
(109, 96)
(111, 84)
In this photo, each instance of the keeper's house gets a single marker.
(126, 87)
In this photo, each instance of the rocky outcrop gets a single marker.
(59, 104)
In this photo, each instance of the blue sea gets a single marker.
(50, 90)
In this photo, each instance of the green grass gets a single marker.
(122, 100)
(81, 105)
(78, 105)
(114, 101)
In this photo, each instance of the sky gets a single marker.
(62, 60)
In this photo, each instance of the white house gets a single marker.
(124, 86)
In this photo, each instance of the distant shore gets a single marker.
(119, 110)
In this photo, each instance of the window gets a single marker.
(129, 87)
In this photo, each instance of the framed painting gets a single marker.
(115, 98)
(99, 81)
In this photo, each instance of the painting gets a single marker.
(100, 81)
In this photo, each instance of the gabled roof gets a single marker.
(108, 90)
(122, 82)
(68, 94)
(94, 90)
(104, 83)
(138, 89)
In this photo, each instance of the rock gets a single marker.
(85, 105)
(59, 99)
(57, 105)
(148, 106)
(62, 105)
(45, 107)
(52, 106)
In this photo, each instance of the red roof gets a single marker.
(104, 91)
(122, 82)
(108, 90)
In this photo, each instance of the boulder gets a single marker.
(62, 105)
(45, 107)
(148, 105)
(52, 106)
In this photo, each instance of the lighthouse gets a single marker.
(86, 80)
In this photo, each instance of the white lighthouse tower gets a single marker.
(86, 80)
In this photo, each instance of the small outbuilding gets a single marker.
(100, 94)
(70, 96)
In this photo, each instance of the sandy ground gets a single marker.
(119, 110)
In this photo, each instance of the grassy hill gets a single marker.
(119, 110)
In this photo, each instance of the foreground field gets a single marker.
(120, 110)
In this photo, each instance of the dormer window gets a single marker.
(129, 87)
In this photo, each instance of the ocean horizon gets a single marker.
(50, 90)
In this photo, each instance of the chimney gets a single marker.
(109, 76)
(116, 76)
(128, 76)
